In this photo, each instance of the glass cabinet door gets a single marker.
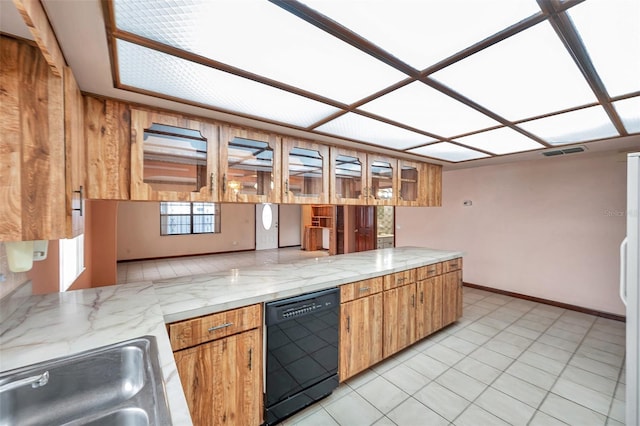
(382, 181)
(305, 172)
(348, 170)
(172, 158)
(249, 166)
(411, 191)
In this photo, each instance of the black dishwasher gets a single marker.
(302, 352)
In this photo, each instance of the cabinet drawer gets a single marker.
(192, 332)
(452, 265)
(360, 289)
(399, 278)
(428, 271)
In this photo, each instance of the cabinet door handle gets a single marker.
(218, 327)
(363, 289)
(286, 186)
(213, 180)
(348, 324)
(413, 300)
(80, 192)
(250, 358)
(422, 297)
(224, 182)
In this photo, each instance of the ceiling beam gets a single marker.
(568, 34)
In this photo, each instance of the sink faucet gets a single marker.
(34, 381)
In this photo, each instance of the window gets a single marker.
(189, 218)
(71, 260)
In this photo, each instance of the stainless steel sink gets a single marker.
(119, 384)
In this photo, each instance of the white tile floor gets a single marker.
(507, 361)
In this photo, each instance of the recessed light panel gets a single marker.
(500, 141)
(528, 74)
(610, 31)
(629, 111)
(576, 126)
(358, 127)
(422, 33)
(448, 151)
(164, 74)
(261, 38)
(420, 106)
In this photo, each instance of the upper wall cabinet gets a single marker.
(76, 164)
(32, 146)
(433, 185)
(348, 174)
(382, 180)
(305, 172)
(172, 158)
(412, 184)
(249, 166)
(108, 144)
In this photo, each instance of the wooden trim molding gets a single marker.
(549, 302)
(37, 21)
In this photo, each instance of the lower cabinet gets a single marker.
(222, 377)
(429, 306)
(360, 335)
(451, 297)
(399, 318)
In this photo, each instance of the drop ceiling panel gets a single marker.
(629, 111)
(526, 75)
(610, 31)
(422, 107)
(449, 152)
(575, 126)
(164, 74)
(414, 30)
(500, 141)
(262, 38)
(358, 127)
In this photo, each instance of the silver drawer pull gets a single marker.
(400, 280)
(365, 288)
(218, 327)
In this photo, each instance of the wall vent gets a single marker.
(571, 150)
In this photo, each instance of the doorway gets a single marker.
(266, 226)
(366, 226)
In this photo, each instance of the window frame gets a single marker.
(216, 218)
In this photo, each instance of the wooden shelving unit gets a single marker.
(322, 217)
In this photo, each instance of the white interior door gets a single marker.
(266, 226)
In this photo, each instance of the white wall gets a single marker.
(549, 228)
(289, 225)
(139, 232)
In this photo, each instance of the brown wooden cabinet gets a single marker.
(412, 184)
(108, 144)
(305, 172)
(429, 306)
(381, 180)
(250, 166)
(219, 360)
(347, 182)
(399, 318)
(360, 334)
(452, 291)
(75, 156)
(173, 158)
(433, 185)
(32, 146)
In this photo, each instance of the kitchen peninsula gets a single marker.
(47, 326)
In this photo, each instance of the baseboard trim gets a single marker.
(549, 302)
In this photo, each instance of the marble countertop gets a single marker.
(43, 327)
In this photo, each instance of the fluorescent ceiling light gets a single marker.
(448, 151)
(164, 74)
(358, 127)
(528, 74)
(421, 33)
(261, 38)
(610, 31)
(500, 141)
(629, 111)
(420, 106)
(576, 126)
